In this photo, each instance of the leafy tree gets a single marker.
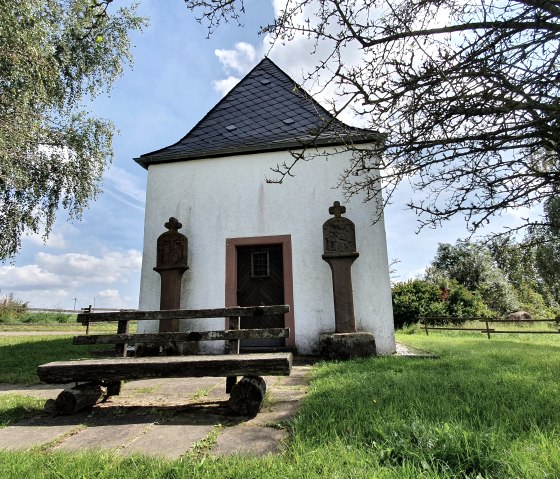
(54, 54)
(472, 265)
(467, 93)
(544, 241)
(415, 298)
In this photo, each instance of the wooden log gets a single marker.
(184, 314)
(247, 396)
(75, 399)
(161, 338)
(118, 369)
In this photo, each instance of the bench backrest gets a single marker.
(232, 335)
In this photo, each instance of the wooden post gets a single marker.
(487, 329)
(87, 310)
(120, 348)
(426, 326)
(232, 347)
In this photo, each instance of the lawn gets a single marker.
(484, 409)
(20, 355)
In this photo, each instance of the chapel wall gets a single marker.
(229, 197)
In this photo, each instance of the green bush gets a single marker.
(14, 311)
(415, 298)
(11, 309)
(463, 303)
(47, 318)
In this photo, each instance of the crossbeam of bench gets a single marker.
(227, 335)
(118, 369)
(170, 314)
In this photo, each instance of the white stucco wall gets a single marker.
(228, 197)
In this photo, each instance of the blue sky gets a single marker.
(178, 76)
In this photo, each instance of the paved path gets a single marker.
(166, 417)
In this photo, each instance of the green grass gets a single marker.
(31, 317)
(20, 355)
(14, 407)
(485, 409)
(71, 327)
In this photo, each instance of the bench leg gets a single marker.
(75, 399)
(230, 382)
(114, 388)
(247, 396)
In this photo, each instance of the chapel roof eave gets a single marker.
(348, 141)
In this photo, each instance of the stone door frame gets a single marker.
(285, 241)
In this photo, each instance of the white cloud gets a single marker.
(108, 293)
(224, 86)
(104, 269)
(53, 279)
(27, 277)
(240, 59)
(111, 298)
(55, 240)
(126, 184)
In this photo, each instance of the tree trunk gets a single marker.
(72, 400)
(247, 396)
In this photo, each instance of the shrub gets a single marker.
(11, 309)
(416, 298)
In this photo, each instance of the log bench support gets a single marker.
(246, 396)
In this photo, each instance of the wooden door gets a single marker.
(260, 282)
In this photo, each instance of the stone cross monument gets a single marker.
(171, 263)
(339, 244)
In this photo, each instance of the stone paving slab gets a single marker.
(168, 440)
(102, 437)
(249, 440)
(37, 431)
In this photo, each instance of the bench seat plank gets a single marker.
(159, 338)
(118, 369)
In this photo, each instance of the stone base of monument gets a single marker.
(347, 345)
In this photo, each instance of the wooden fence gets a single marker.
(74, 311)
(426, 320)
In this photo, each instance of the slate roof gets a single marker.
(265, 111)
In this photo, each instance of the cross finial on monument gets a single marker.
(337, 210)
(173, 224)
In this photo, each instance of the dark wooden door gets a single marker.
(260, 282)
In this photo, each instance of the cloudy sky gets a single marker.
(178, 76)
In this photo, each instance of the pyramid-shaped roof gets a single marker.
(265, 111)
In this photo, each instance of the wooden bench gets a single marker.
(246, 396)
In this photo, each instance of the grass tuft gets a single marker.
(14, 407)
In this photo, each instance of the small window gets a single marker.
(260, 267)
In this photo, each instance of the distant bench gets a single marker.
(246, 396)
